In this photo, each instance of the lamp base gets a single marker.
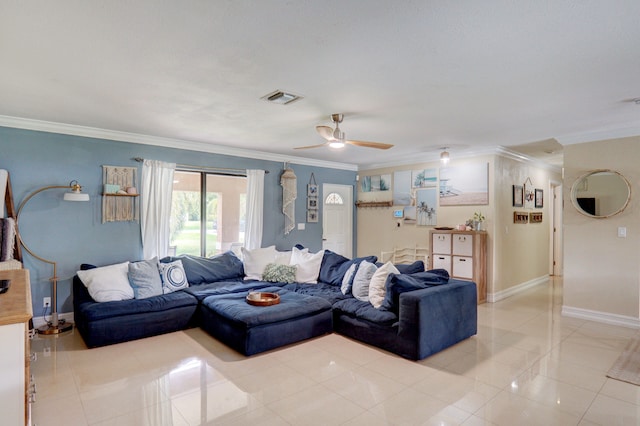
(62, 327)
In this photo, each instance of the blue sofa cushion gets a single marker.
(365, 311)
(234, 308)
(334, 266)
(200, 270)
(413, 268)
(401, 283)
(329, 292)
(96, 311)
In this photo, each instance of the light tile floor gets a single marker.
(528, 365)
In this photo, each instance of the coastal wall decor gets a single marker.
(466, 185)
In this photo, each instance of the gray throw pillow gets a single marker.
(362, 279)
(144, 277)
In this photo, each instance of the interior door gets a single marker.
(557, 262)
(337, 218)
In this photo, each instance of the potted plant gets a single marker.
(478, 219)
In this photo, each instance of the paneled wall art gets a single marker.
(312, 200)
(120, 194)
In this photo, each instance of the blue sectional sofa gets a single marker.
(422, 313)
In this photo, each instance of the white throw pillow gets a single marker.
(256, 260)
(347, 280)
(360, 288)
(173, 276)
(108, 283)
(308, 265)
(377, 287)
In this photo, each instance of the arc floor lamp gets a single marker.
(55, 326)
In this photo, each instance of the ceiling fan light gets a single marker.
(336, 144)
(444, 157)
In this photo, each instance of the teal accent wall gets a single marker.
(73, 233)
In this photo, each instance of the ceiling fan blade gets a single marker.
(310, 146)
(365, 144)
(325, 131)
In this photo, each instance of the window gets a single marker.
(334, 198)
(208, 212)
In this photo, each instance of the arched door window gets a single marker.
(334, 198)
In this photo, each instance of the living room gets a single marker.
(599, 291)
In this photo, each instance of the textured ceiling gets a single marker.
(417, 74)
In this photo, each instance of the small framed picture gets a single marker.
(312, 203)
(539, 199)
(312, 216)
(312, 190)
(518, 196)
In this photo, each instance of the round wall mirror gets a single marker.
(601, 193)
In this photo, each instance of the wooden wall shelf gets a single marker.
(120, 195)
(374, 203)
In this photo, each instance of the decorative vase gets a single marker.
(477, 225)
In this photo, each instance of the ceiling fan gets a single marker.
(336, 138)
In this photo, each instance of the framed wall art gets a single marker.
(464, 185)
(312, 216)
(518, 195)
(539, 198)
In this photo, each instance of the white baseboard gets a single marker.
(603, 317)
(512, 291)
(39, 321)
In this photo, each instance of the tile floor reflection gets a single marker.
(528, 365)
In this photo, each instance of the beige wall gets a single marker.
(516, 254)
(601, 272)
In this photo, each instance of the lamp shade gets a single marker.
(76, 196)
(76, 193)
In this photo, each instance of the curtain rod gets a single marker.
(206, 168)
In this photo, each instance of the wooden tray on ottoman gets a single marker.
(258, 298)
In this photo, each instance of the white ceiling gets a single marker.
(418, 74)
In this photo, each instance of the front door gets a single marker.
(337, 218)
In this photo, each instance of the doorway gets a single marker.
(337, 219)
(555, 238)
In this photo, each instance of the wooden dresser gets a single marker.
(15, 348)
(463, 254)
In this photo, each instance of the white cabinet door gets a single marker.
(463, 267)
(442, 243)
(463, 245)
(442, 261)
(12, 368)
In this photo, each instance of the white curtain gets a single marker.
(255, 209)
(157, 187)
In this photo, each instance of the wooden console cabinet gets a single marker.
(463, 254)
(15, 349)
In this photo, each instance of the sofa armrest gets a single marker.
(438, 317)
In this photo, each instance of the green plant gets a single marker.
(478, 216)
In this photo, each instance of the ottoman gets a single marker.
(253, 329)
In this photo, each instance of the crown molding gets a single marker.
(427, 157)
(468, 153)
(600, 135)
(114, 135)
(512, 155)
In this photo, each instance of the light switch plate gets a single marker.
(622, 232)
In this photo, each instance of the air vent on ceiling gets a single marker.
(280, 97)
